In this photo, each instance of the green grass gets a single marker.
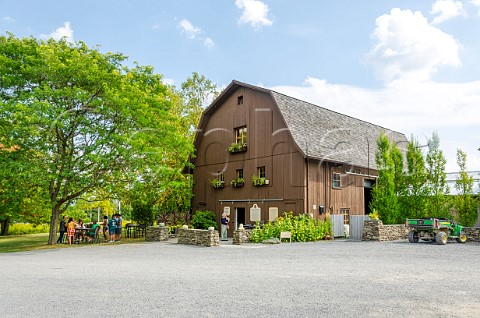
(20, 243)
(29, 242)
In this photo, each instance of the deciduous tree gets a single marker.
(88, 121)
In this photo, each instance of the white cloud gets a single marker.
(8, 19)
(208, 42)
(64, 31)
(255, 13)
(446, 10)
(477, 4)
(412, 108)
(189, 29)
(194, 33)
(157, 26)
(408, 47)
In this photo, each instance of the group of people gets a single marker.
(112, 229)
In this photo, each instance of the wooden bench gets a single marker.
(286, 235)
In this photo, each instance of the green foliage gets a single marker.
(234, 147)
(256, 181)
(88, 122)
(236, 182)
(384, 198)
(203, 220)
(465, 204)
(217, 184)
(27, 228)
(437, 202)
(196, 91)
(415, 201)
(303, 227)
(142, 212)
(374, 215)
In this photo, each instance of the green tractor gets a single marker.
(433, 229)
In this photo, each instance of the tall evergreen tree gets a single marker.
(465, 204)
(384, 198)
(416, 178)
(437, 203)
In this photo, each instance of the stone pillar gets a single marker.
(156, 233)
(371, 230)
(241, 236)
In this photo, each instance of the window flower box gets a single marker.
(237, 183)
(234, 148)
(258, 182)
(217, 184)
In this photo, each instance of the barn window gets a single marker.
(240, 174)
(261, 172)
(336, 180)
(240, 100)
(241, 135)
(346, 215)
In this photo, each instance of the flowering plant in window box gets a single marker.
(257, 181)
(233, 148)
(237, 183)
(217, 184)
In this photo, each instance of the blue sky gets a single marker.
(412, 66)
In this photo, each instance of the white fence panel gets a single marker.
(356, 226)
(337, 225)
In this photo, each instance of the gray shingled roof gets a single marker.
(321, 133)
(327, 135)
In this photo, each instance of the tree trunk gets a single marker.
(52, 237)
(5, 225)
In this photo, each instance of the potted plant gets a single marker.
(237, 183)
(217, 184)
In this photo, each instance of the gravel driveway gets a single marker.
(322, 279)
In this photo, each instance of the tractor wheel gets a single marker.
(462, 238)
(441, 238)
(412, 237)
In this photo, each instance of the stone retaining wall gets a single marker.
(198, 237)
(156, 233)
(241, 236)
(473, 233)
(375, 230)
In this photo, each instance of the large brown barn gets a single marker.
(291, 156)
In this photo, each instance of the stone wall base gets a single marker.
(156, 233)
(473, 233)
(375, 230)
(198, 237)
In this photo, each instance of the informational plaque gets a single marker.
(226, 210)
(255, 213)
(272, 213)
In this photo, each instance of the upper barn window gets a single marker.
(240, 100)
(336, 180)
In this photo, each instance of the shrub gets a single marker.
(27, 228)
(303, 227)
(203, 220)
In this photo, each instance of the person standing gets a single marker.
(63, 228)
(224, 227)
(70, 230)
(112, 228)
(119, 228)
(105, 228)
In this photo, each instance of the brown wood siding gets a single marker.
(269, 144)
(296, 184)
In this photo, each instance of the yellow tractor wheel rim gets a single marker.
(463, 237)
(444, 238)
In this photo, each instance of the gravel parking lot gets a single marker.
(338, 278)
